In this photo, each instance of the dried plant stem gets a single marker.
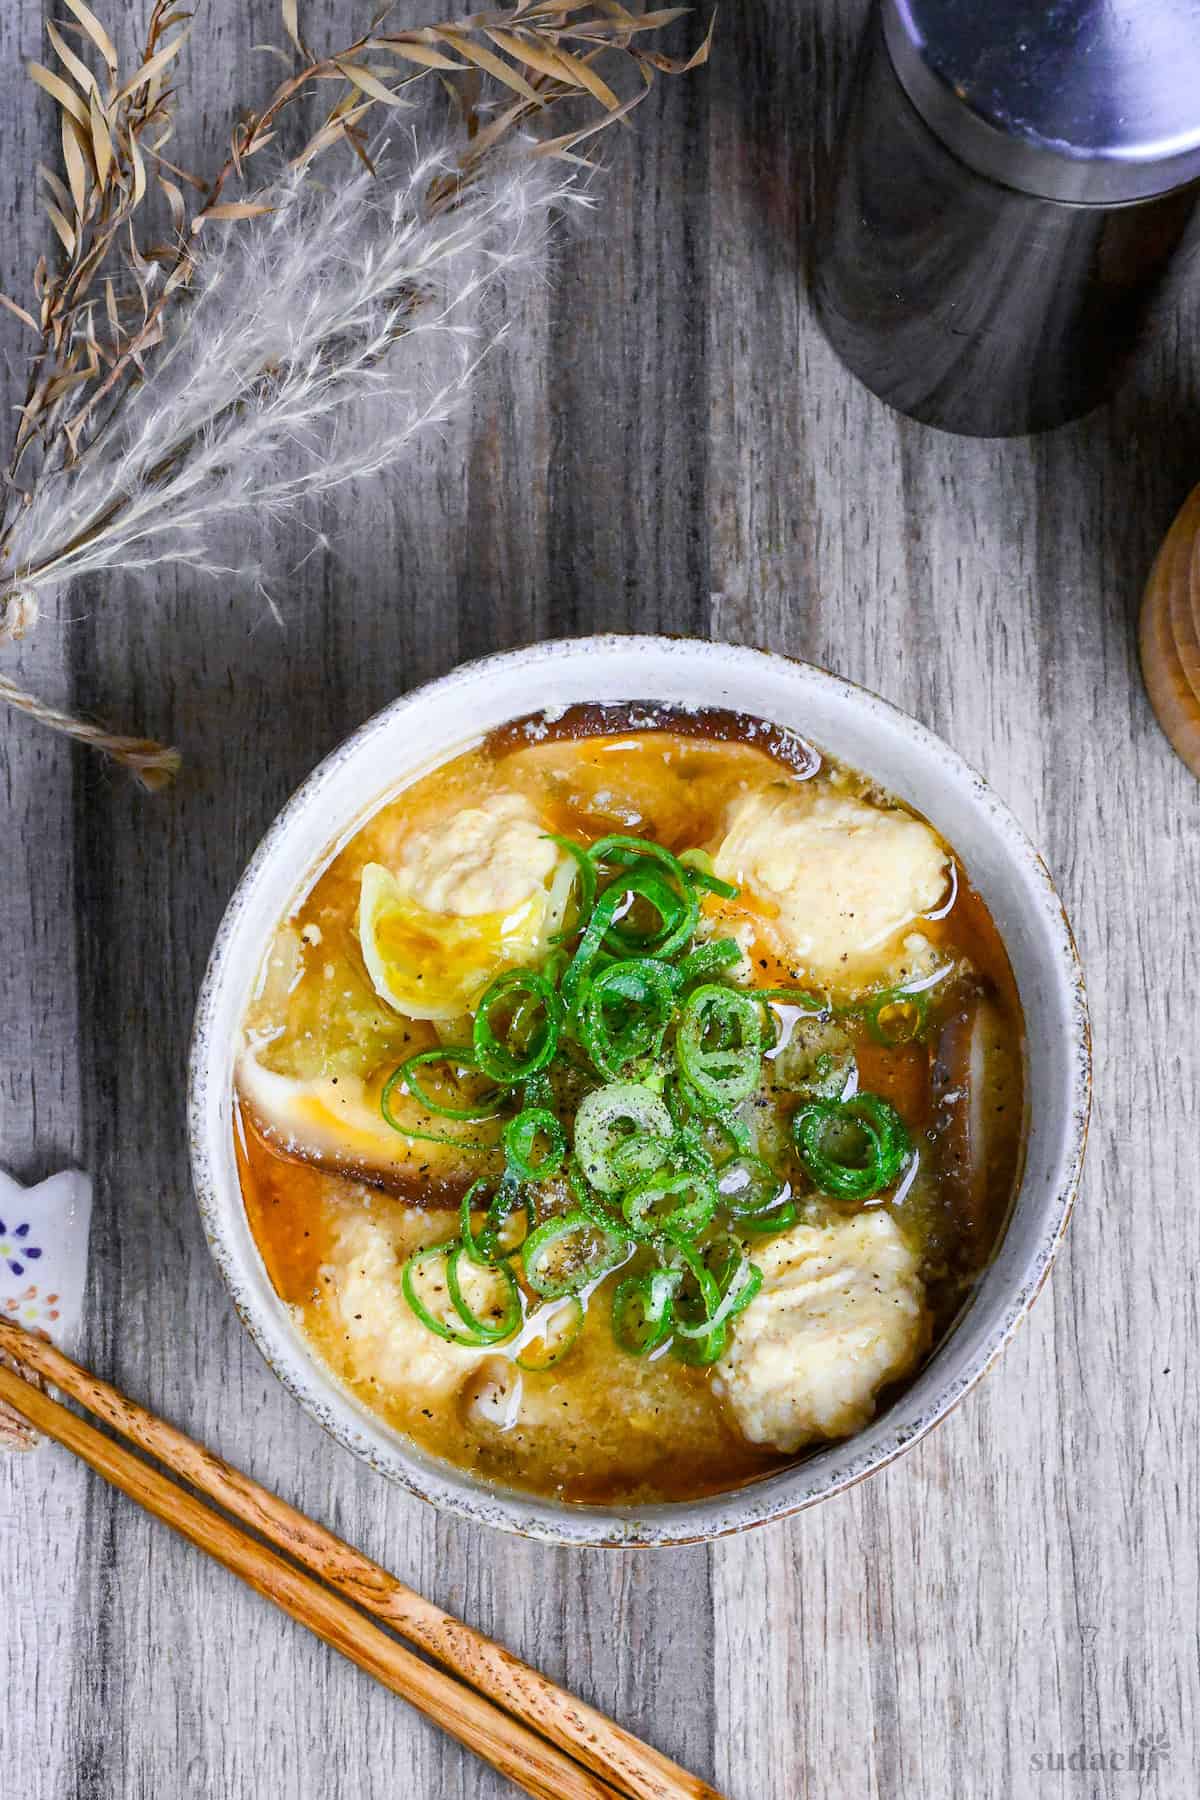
(141, 430)
(155, 765)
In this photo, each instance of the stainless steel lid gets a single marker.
(1076, 100)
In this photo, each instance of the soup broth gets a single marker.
(722, 1050)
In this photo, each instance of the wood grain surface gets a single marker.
(667, 443)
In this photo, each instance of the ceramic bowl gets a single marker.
(439, 720)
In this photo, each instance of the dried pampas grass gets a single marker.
(342, 317)
(344, 323)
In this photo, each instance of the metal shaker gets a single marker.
(1011, 186)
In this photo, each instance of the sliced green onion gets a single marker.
(531, 993)
(689, 1152)
(585, 872)
(509, 1309)
(678, 912)
(556, 1336)
(726, 1258)
(718, 1044)
(661, 1150)
(737, 1280)
(643, 1310)
(701, 1352)
(485, 1247)
(597, 1208)
(712, 884)
(538, 1090)
(706, 1347)
(879, 1144)
(896, 1018)
(460, 1056)
(521, 1134)
(709, 959)
(466, 1205)
(645, 1153)
(735, 1128)
(471, 1145)
(699, 867)
(778, 1218)
(678, 908)
(623, 850)
(587, 951)
(599, 1249)
(749, 1186)
(466, 1328)
(624, 1011)
(609, 1116)
(696, 1202)
(584, 863)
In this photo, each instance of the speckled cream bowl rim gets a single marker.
(421, 730)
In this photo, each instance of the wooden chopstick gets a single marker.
(516, 1752)
(548, 1712)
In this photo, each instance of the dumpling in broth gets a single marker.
(840, 881)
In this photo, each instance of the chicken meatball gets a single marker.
(840, 1312)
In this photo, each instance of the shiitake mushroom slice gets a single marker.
(976, 1091)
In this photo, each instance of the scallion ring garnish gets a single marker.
(457, 1056)
(643, 1310)
(598, 1210)
(718, 1044)
(585, 873)
(556, 1337)
(587, 951)
(749, 1186)
(570, 1251)
(640, 1155)
(623, 850)
(676, 913)
(609, 1117)
(698, 867)
(537, 1090)
(708, 959)
(695, 1202)
(896, 1018)
(697, 1309)
(662, 1155)
(737, 1281)
(819, 1005)
(854, 1148)
(645, 865)
(484, 1246)
(465, 1328)
(689, 1151)
(520, 1136)
(498, 1321)
(528, 1044)
(780, 1217)
(735, 1129)
(623, 1013)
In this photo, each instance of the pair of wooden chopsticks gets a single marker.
(537, 1734)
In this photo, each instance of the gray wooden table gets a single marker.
(666, 444)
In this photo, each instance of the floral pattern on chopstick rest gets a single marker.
(43, 1266)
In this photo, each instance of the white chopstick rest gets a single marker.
(43, 1267)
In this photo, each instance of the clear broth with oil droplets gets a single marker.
(335, 1227)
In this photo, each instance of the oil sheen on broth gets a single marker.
(789, 1211)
